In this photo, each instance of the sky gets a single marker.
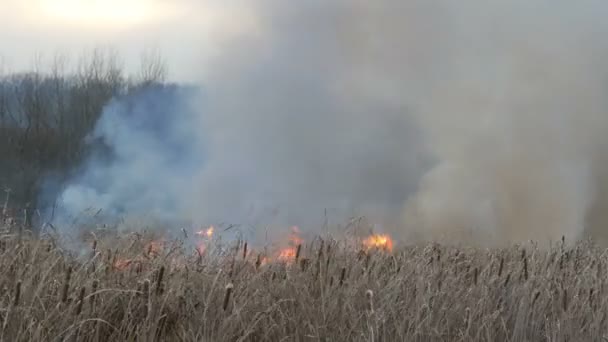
(186, 32)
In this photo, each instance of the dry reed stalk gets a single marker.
(319, 260)
(525, 268)
(9, 313)
(328, 254)
(146, 289)
(227, 295)
(93, 295)
(304, 264)
(507, 280)
(536, 295)
(320, 252)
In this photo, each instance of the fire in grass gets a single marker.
(205, 236)
(294, 245)
(378, 242)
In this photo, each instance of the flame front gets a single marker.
(379, 241)
(288, 254)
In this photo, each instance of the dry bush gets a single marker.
(118, 288)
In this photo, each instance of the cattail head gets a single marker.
(227, 295)
(159, 280)
(80, 300)
(370, 300)
(475, 275)
(342, 275)
(258, 262)
(17, 293)
(298, 249)
(146, 288)
(66, 285)
(501, 266)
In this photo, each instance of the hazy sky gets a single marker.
(186, 31)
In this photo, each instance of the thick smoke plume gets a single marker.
(481, 121)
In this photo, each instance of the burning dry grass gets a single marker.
(125, 290)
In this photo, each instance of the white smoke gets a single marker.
(435, 118)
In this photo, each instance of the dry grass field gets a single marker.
(136, 287)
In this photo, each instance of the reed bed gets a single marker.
(121, 289)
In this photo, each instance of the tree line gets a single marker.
(45, 116)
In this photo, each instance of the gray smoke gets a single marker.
(481, 121)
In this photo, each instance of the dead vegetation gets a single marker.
(327, 292)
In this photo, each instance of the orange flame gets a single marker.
(288, 254)
(379, 241)
(208, 233)
(204, 234)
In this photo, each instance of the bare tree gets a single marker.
(153, 68)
